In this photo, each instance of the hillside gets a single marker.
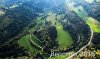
(35, 29)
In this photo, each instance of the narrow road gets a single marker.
(82, 47)
(37, 38)
(34, 42)
(71, 4)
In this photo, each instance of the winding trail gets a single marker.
(36, 38)
(71, 6)
(31, 34)
(34, 42)
(82, 47)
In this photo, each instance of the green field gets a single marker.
(63, 37)
(58, 57)
(36, 41)
(24, 41)
(95, 25)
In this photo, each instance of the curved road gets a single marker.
(34, 42)
(71, 4)
(82, 47)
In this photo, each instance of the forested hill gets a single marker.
(38, 27)
(14, 20)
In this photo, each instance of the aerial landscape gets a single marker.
(49, 29)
